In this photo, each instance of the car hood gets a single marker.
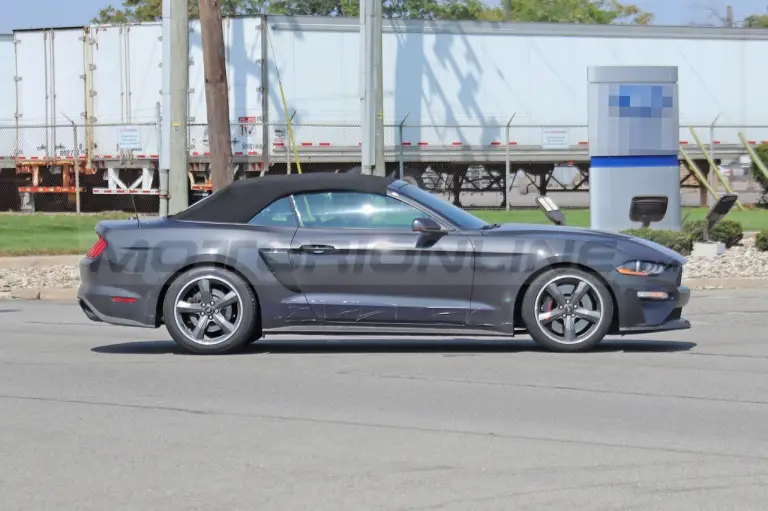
(625, 242)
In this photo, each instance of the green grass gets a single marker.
(751, 220)
(44, 234)
(573, 217)
(49, 234)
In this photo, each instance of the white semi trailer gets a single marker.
(7, 96)
(469, 95)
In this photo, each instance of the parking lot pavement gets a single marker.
(94, 417)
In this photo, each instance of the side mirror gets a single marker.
(551, 210)
(425, 225)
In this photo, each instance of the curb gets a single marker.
(45, 294)
(702, 284)
(27, 262)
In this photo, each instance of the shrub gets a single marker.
(677, 241)
(728, 232)
(762, 153)
(761, 241)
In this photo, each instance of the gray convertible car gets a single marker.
(338, 254)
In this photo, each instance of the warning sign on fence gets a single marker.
(279, 138)
(554, 138)
(247, 124)
(128, 137)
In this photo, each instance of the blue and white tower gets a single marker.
(633, 143)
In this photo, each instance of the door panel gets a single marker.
(266, 244)
(356, 259)
(375, 276)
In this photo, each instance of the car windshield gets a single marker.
(456, 215)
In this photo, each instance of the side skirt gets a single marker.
(384, 330)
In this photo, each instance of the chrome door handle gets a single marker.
(317, 249)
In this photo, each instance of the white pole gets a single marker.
(77, 169)
(162, 141)
(178, 36)
(506, 163)
(76, 155)
(380, 169)
(165, 116)
(368, 85)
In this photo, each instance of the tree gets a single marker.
(152, 10)
(576, 11)
(756, 21)
(552, 11)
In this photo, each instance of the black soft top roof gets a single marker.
(240, 201)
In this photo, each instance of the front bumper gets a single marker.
(650, 304)
(672, 321)
(675, 324)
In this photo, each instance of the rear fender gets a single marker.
(195, 262)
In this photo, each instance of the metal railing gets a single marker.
(142, 140)
(466, 163)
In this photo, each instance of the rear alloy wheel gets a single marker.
(567, 310)
(210, 310)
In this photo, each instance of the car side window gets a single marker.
(278, 214)
(354, 210)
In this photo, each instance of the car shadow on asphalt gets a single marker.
(358, 346)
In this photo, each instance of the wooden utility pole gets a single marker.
(216, 94)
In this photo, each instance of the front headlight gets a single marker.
(641, 268)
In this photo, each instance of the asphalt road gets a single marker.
(94, 417)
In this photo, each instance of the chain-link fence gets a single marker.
(77, 167)
(100, 167)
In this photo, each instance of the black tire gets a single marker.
(585, 333)
(241, 315)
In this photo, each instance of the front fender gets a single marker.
(505, 267)
(599, 256)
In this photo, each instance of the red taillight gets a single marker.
(123, 299)
(97, 248)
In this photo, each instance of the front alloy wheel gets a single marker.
(567, 310)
